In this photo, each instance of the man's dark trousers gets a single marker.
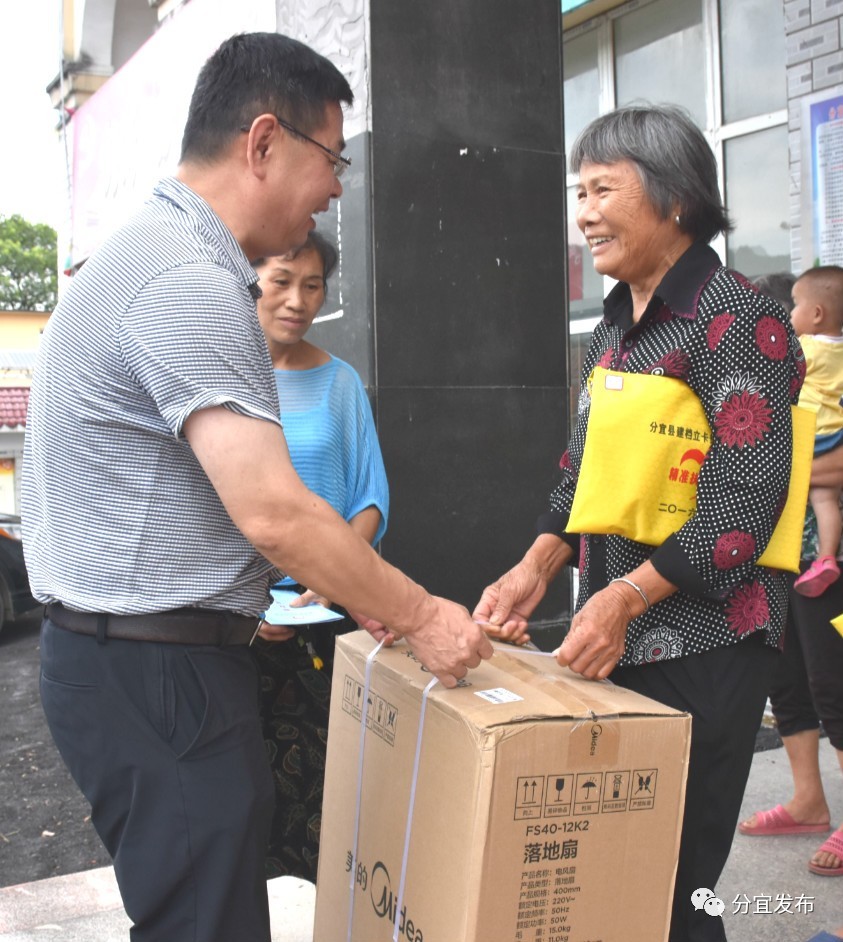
(164, 741)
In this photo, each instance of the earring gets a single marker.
(678, 220)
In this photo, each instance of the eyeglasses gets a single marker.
(338, 162)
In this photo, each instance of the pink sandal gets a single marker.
(779, 821)
(834, 845)
(822, 572)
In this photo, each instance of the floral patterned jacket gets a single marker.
(736, 349)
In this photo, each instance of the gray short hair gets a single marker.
(673, 159)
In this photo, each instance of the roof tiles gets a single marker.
(14, 401)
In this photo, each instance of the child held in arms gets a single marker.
(817, 318)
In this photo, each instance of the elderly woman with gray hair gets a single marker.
(694, 623)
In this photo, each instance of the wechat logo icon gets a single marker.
(706, 900)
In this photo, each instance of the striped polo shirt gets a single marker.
(118, 515)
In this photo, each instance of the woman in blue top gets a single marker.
(334, 448)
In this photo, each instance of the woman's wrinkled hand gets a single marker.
(595, 642)
(505, 605)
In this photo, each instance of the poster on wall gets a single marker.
(822, 178)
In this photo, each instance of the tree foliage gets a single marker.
(28, 265)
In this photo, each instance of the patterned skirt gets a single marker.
(295, 697)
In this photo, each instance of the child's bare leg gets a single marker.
(826, 504)
(824, 570)
(827, 469)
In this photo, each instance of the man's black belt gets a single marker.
(175, 626)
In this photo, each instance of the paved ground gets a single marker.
(760, 869)
(44, 825)
(85, 907)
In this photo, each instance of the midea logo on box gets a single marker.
(596, 731)
(383, 902)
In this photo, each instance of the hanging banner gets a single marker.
(128, 134)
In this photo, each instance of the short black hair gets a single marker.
(826, 285)
(316, 243)
(259, 73)
(777, 285)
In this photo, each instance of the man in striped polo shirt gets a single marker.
(159, 502)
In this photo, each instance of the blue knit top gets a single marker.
(331, 435)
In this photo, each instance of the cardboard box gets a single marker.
(541, 806)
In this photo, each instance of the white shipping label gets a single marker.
(498, 695)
